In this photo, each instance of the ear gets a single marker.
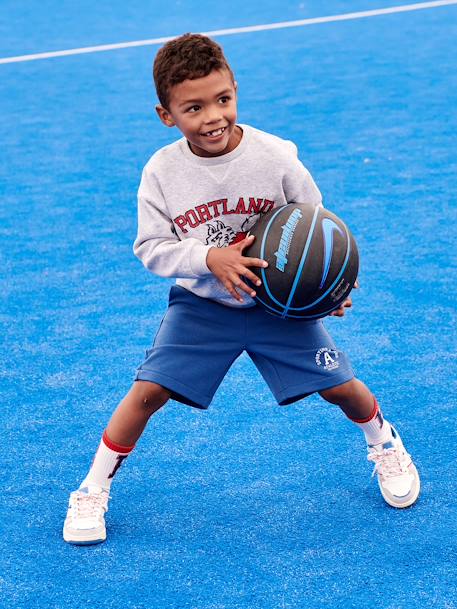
(165, 116)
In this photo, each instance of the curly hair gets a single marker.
(189, 56)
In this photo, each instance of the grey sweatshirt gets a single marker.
(188, 204)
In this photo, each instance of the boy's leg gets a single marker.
(397, 475)
(191, 354)
(360, 406)
(124, 429)
(131, 416)
(85, 522)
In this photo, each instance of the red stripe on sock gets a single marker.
(373, 413)
(116, 447)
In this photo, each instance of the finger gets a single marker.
(247, 274)
(356, 284)
(243, 286)
(347, 303)
(255, 262)
(338, 312)
(232, 291)
(240, 285)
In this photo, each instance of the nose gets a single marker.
(213, 114)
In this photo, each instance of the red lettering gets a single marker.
(214, 205)
(241, 207)
(192, 219)
(207, 211)
(226, 211)
(254, 205)
(203, 213)
(267, 205)
(181, 222)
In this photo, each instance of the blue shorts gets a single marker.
(199, 339)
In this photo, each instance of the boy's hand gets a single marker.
(340, 311)
(229, 265)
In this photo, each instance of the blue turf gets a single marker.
(248, 505)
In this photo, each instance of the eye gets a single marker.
(193, 109)
(224, 99)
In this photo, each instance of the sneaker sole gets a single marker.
(85, 540)
(84, 543)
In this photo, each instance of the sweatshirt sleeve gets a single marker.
(157, 244)
(299, 186)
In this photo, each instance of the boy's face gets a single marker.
(204, 110)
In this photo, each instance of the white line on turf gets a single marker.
(236, 30)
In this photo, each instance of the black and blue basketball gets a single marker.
(312, 258)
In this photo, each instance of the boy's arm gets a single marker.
(299, 186)
(157, 245)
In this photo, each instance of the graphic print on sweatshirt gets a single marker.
(221, 235)
(225, 224)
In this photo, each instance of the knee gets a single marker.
(151, 395)
(340, 394)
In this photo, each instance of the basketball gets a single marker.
(312, 258)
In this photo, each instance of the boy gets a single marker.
(197, 199)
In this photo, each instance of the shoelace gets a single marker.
(89, 505)
(388, 463)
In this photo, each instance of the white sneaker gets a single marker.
(85, 521)
(397, 475)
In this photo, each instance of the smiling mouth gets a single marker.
(215, 133)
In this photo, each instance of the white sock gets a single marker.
(376, 429)
(107, 461)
